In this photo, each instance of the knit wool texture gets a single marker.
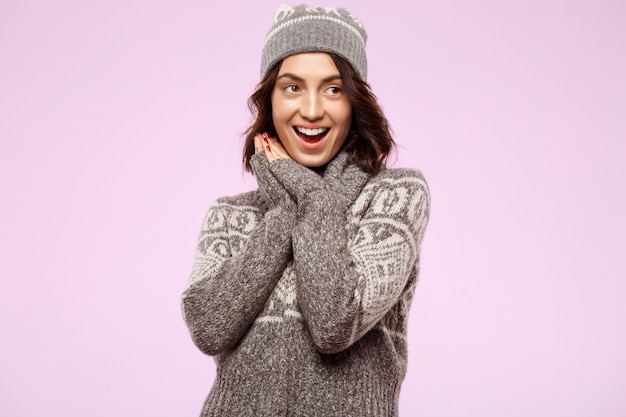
(323, 29)
(301, 290)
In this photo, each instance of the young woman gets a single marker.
(301, 289)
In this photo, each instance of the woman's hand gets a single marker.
(271, 146)
(272, 190)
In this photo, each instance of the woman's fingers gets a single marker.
(258, 143)
(273, 148)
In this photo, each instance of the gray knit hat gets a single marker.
(298, 29)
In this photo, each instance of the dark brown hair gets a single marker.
(369, 141)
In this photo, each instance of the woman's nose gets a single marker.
(312, 107)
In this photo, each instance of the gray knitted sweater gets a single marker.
(301, 290)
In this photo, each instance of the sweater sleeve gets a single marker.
(345, 287)
(230, 283)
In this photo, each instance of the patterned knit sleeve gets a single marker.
(240, 257)
(347, 281)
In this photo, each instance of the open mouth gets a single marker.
(311, 135)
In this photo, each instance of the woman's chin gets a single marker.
(312, 161)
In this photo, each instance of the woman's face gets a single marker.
(310, 110)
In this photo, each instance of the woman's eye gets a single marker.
(292, 88)
(333, 91)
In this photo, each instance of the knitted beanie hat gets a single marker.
(298, 29)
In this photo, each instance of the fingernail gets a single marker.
(265, 135)
(268, 149)
(265, 140)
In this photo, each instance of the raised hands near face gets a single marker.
(272, 147)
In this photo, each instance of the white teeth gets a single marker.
(311, 132)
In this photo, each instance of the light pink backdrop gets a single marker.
(120, 123)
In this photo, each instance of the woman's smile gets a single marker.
(311, 138)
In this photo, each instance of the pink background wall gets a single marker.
(120, 123)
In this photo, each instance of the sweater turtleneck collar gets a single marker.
(345, 177)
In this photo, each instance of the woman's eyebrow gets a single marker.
(300, 79)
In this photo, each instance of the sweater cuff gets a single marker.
(273, 192)
(298, 180)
